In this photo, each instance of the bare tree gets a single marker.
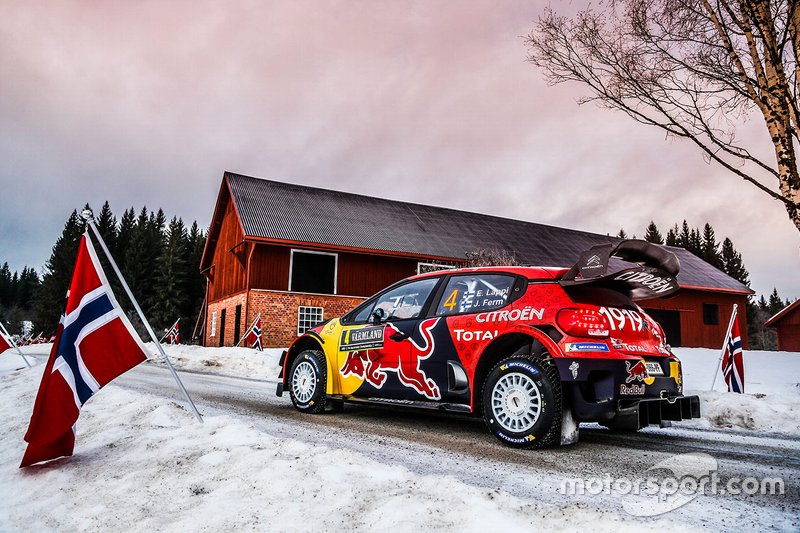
(694, 68)
(482, 257)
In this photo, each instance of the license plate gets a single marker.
(653, 368)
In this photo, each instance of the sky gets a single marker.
(149, 102)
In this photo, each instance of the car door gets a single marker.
(464, 330)
(375, 351)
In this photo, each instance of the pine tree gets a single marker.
(685, 237)
(653, 235)
(695, 243)
(622, 234)
(710, 247)
(58, 269)
(170, 278)
(139, 261)
(762, 304)
(673, 238)
(732, 263)
(123, 237)
(107, 225)
(775, 302)
(27, 288)
(6, 287)
(195, 281)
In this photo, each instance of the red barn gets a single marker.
(787, 323)
(298, 255)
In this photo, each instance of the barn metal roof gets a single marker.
(287, 212)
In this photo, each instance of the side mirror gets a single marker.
(378, 315)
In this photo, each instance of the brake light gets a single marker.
(583, 323)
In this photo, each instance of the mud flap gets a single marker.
(569, 427)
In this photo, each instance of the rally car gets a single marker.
(534, 351)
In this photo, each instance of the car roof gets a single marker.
(540, 273)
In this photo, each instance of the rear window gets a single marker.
(475, 294)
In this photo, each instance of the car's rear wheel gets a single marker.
(522, 402)
(308, 381)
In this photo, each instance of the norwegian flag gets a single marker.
(253, 336)
(4, 343)
(732, 359)
(94, 344)
(173, 336)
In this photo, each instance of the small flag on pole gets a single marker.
(94, 344)
(253, 336)
(7, 341)
(173, 336)
(5, 344)
(732, 359)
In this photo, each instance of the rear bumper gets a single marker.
(638, 413)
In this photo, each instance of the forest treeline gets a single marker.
(723, 254)
(160, 260)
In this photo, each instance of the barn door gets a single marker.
(222, 328)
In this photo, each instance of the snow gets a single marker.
(146, 458)
(772, 382)
(772, 385)
(145, 464)
(242, 362)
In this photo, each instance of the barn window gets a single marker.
(313, 272)
(308, 317)
(710, 314)
(213, 324)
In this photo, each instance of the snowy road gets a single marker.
(431, 443)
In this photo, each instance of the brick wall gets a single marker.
(279, 312)
(229, 304)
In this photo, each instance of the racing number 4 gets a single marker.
(451, 301)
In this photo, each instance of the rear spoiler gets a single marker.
(652, 276)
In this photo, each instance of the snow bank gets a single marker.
(242, 362)
(765, 372)
(772, 381)
(143, 464)
(772, 386)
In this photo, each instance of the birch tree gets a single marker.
(696, 69)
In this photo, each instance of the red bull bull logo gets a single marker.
(637, 372)
(395, 356)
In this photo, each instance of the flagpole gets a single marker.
(725, 344)
(248, 330)
(166, 334)
(8, 336)
(88, 216)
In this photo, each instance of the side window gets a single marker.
(475, 294)
(361, 316)
(405, 301)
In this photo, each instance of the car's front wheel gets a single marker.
(307, 382)
(522, 402)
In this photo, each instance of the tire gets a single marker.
(522, 402)
(307, 382)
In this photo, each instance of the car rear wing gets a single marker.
(652, 273)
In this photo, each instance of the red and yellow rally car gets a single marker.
(535, 351)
